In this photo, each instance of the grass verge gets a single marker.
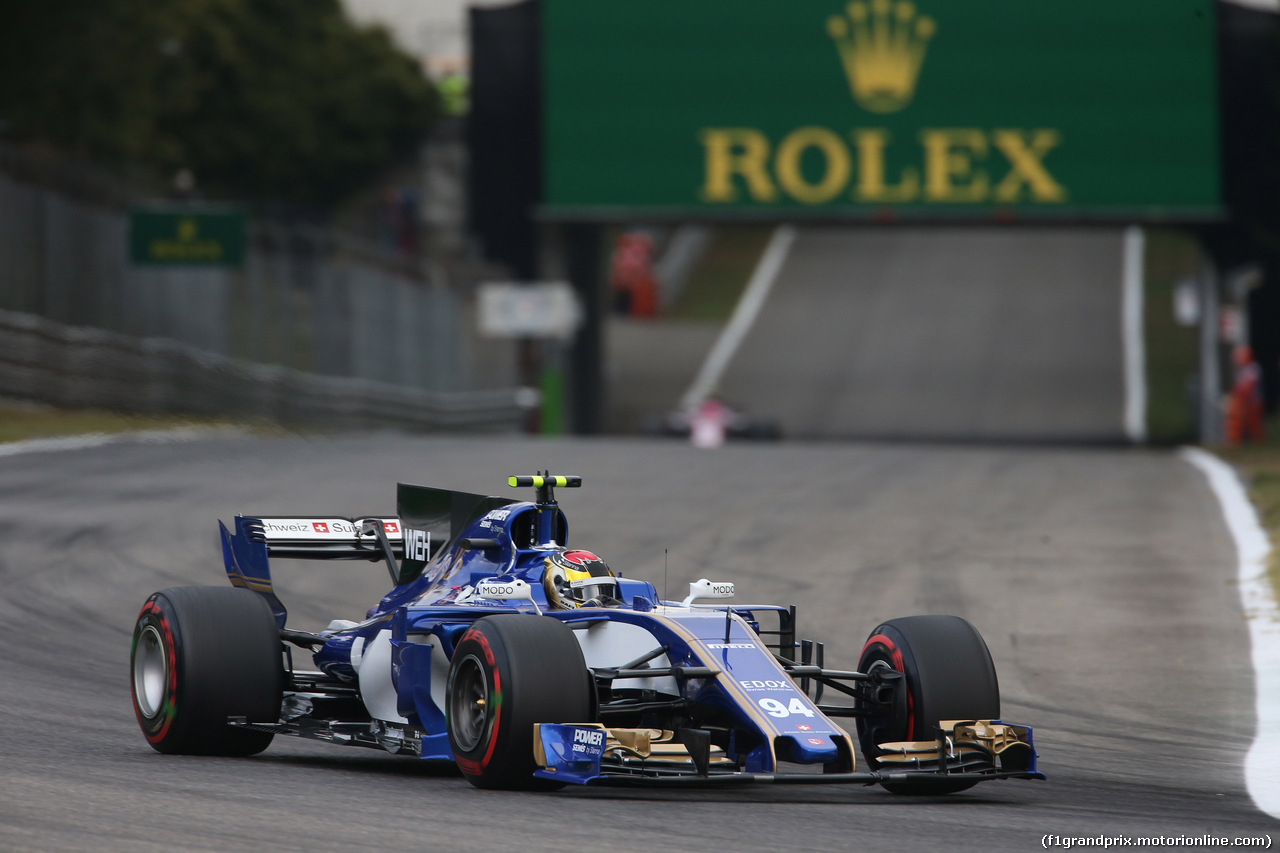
(20, 421)
(718, 279)
(1259, 464)
(1172, 351)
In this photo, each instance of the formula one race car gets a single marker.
(531, 665)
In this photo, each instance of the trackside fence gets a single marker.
(75, 366)
(318, 326)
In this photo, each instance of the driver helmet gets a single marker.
(578, 579)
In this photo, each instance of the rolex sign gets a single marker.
(1094, 109)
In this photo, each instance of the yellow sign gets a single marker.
(879, 109)
(952, 164)
(188, 246)
(201, 237)
(881, 46)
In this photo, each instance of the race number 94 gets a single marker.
(774, 708)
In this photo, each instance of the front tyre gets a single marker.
(947, 675)
(200, 655)
(508, 672)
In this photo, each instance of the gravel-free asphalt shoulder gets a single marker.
(1103, 581)
(971, 334)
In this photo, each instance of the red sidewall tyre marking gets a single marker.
(467, 765)
(896, 655)
(168, 707)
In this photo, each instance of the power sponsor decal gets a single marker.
(590, 741)
(568, 753)
(493, 518)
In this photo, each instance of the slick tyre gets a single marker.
(200, 655)
(509, 672)
(947, 675)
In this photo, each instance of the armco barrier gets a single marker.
(83, 367)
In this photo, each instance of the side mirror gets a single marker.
(704, 589)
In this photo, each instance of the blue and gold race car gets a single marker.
(532, 665)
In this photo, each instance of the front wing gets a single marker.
(589, 753)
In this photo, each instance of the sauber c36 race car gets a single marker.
(532, 665)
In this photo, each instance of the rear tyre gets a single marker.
(948, 675)
(509, 672)
(202, 654)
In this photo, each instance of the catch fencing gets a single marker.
(316, 327)
(77, 366)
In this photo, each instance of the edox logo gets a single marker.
(881, 46)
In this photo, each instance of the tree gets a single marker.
(282, 100)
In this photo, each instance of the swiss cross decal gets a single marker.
(805, 728)
(391, 527)
(320, 526)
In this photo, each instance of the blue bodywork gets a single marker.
(426, 614)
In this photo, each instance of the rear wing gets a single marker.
(324, 537)
(427, 519)
(247, 550)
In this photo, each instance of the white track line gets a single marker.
(98, 439)
(1135, 368)
(744, 315)
(1262, 764)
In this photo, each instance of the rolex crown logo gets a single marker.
(881, 45)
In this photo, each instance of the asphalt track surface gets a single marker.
(973, 334)
(1102, 580)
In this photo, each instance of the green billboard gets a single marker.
(187, 236)
(1094, 109)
